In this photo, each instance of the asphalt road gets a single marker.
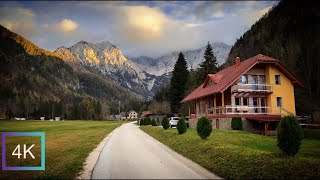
(132, 154)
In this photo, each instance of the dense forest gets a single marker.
(35, 83)
(289, 32)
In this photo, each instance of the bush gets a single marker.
(141, 122)
(158, 122)
(153, 122)
(182, 126)
(236, 123)
(147, 121)
(289, 135)
(204, 127)
(165, 122)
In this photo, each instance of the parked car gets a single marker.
(173, 121)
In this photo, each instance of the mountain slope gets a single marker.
(164, 64)
(31, 76)
(107, 61)
(290, 33)
(26, 67)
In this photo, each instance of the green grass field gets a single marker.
(67, 145)
(239, 154)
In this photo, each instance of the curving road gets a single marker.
(132, 154)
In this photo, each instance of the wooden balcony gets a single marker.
(256, 112)
(257, 88)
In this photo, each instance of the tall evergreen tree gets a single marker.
(178, 83)
(208, 66)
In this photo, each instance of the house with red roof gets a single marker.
(260, 90)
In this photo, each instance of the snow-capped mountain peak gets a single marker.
(164, 64)
(143, 76)
(106, 60)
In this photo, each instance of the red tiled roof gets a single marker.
(224, 78)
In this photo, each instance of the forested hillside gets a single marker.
(35, 82)
(290, 32)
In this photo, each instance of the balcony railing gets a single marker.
(247, 110)
(252, 88)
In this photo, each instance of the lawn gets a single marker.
(239, 154)
(67, 145)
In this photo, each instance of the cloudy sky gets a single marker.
(137, 28)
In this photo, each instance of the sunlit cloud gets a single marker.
(66, 25)
(141, 23)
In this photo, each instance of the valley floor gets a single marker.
(239, 154)
(68, 143)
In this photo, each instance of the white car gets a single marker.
(173, 121)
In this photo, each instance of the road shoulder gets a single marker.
(93, 157)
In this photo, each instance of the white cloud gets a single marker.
(218, 14)
(68, 25)
(141, 23)
(65, 25)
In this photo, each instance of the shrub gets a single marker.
(236, 123)
(182, 126)
(153, 122)
(147, 121)
(165, 122)
(158, 122)
(204, 127)
(141, 122)
(289, 135)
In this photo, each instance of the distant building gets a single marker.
(123, 115)
(145, 114)
(115, 117)
(132, 114)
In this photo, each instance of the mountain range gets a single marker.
(143, 76)
(31, 76)
(164, 64)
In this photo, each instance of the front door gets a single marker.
(263, 102)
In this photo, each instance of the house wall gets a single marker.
(284, 90)
(223, 124)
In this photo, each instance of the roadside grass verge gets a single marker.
(242, 155)
(68, 143)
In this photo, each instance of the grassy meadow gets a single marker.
(242, 155)
(67, 145)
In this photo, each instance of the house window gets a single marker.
(244, 79)
(277, 79)
(237, 101)
(211, 103)
(279, 101)
(245, 101)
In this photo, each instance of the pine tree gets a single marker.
(208, 66)
(97, 109)
(178, 83)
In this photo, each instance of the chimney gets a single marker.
(237, 61)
